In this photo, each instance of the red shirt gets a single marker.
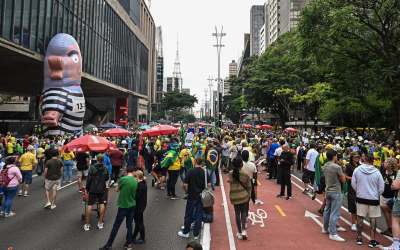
(117, 157)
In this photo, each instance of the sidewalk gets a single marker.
(288, 224)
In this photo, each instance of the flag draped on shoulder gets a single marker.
(169, 159)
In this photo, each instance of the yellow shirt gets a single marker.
(10, 148)
(40, 153)
(176, 166)
(27, 160)
(68, 156)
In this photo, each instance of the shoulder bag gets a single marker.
(207, 195)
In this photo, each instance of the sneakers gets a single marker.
(288, 197)
(373, 243)
(341, 229)
(239, 236)
(336, 237)
(20, 193)
(174, 197)
(47, 205)
(53, 206)
(324, 231)
(244, 235)
(196, 237)
(354, 227)
(1, 213)
(100, 225)
(183, 235)
(26, 194)
(86, 227)
(279, 196)
(10, 214)
(259, 202)
(359, 241)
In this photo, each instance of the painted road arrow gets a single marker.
(313, 217)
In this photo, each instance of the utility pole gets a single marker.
(218, 37)
(210, 85)
(205, 102)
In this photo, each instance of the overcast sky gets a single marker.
(193, 21)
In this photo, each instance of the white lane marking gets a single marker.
(232, 245)
(69, 184)
(343, 219)
(206, 236)
(313, 217)
(258, 217)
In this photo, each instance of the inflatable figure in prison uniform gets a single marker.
(62, 103)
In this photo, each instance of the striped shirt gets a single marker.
(70, 103)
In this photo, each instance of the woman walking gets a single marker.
(239, 194)
(11, 188)
(68, 158)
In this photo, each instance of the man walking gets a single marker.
(334, 177)
(127, 186)
(194, 185)
(28, 163)
(117, 160)
(97, 189)
(53, 170)
(309, 168)
(368, 183)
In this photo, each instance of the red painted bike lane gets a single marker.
(286, 225)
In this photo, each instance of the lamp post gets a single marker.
(210, 85)
(218, 37)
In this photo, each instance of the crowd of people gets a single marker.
(359, 166)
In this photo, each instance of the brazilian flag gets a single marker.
(169, 159)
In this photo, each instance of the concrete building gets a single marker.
(233, 69)
(117, 41)
(186, 91)
(256, 22)
(281, 17)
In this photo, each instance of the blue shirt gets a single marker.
(272, 149)
(107, 163)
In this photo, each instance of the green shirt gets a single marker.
(127, 192)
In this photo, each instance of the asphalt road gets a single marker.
(35, 228)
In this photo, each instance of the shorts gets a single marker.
(26, 176)
(52, 184)
(97, 198)
(308, 176)
(369, 211)
(160, 171)
(384, 201)
(396, 208)
(351, 202)
(82, 173)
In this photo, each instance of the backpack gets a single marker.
(4, 178)
(98, 178)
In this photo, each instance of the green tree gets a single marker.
(176, 102)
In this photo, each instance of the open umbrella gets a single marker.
(258, 127)
(247, 126)
(266, 126)
(160, 130)
(115, 132)
(291, 130)
(90, 143)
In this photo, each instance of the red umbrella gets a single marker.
(90, 143)
(160, 130)
(258, 127)
(247, 126)
(291, 130)
(115, 132)
(266, 126)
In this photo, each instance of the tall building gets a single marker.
(281, 17)
(233, 69)
(256, 22)
(175, 82)
(186, 91)
(159, 69)
(117, 42)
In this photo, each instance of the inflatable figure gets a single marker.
(62, 102)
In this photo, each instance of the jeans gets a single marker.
(285, 181)
(332, 211)
(193, 213)
(171, 181)
(68, 170)
(139, 225)
(9, 195)
(241, 213)
(123, 213)
(211, 174)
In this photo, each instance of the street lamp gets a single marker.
(218, 36)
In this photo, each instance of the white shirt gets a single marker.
(249, 168)
(311, 156)
(278, 151)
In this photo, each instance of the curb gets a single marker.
(205, 240)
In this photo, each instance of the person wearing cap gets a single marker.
(368, 183)
(28, 163)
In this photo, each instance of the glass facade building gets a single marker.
(110, 49)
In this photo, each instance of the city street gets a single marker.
(36, 228)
